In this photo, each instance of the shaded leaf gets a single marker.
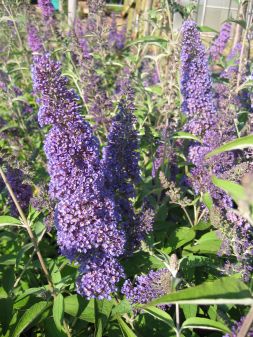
(78, 307)
(58, 311)
(29, 316)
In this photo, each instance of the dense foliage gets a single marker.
(126, 176)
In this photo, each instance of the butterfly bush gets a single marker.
(46, 8)
(86, 215)
(220, 42)
(220, 131)
(33, 39)
(145, 288)
(21, 189)
(116, 37)
(196, 86)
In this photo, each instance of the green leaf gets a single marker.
(156, 40)
(78, 307)
(209, 243)
(242, 23)
(237, 144)
(161, 315)
(8, 260)
(204, 323)
(234, 190)
(51, 330)
(202, 226)
(29, 316)
(103, 310)
(190, 310)
(124, 307)
(24, 249)
(127, 332)
(207, 200)
(8, 279)
(179, 237)
(206, 29)
(221, 291)
(6, 309)
(186, 135)
(58, 311)
(6, 220)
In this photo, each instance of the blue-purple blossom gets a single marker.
(46, 8)
(87, 220)
(122, 173)
(99, 275)
(116, 37)
(21, 189)
(33, 39)
(145, 288)
(196, 86)
(220, 42)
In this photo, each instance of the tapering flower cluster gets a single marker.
(148, 287)
(220, 131)
(33, 39)
(120, 159)
(220, 42)
(86, 216)
(22, 190)
(47, 8)
(116, 38)
(196, 85)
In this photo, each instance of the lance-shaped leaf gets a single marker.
(234, 190)
(204, 323)
(221, 291)
(237, 144)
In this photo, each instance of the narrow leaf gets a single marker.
(103, 310)
(160, 314)
(5, 219)
(221, 291)
(186, 135)
(234, 190)
(237, 144)
(29, 316)
(127, 332)
(204, 323)
(58, 311)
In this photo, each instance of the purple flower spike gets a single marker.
(196, 84)
(220, 42)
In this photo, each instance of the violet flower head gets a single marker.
(196, 84)
(116, 37)
(71, 148)
(86, 224)
(22, 190)
(221, 41)
(47, 8)
(33, 39)
(87, 220)
(148, 287)
(99, 275)
(121, 155)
